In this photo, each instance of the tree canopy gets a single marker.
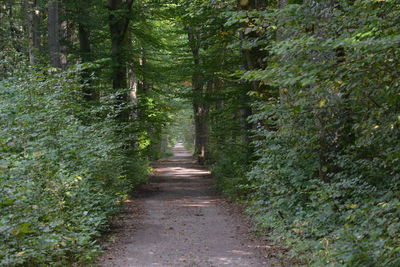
(294, 104)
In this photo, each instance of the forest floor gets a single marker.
(178, 219)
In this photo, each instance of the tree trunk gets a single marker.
(144, 84)
(282, 3)
(200, 108)
(118, 24)
(34, 38)
(54, 34)
(86, 56)
(251, 60)
(64, 38)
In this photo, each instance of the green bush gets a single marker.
(60, 174)
(229, 171)
(326, 181)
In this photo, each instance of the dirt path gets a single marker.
(179, 220)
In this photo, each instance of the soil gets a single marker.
(178, 219)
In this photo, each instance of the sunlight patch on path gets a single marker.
(184, 223)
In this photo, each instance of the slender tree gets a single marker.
(200, 107)
(33, 15)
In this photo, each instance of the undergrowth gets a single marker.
(62, 169)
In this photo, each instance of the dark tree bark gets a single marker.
(119, 11)
(33, 31)
(200, 107)
(64, 36)
(54, 34)
(251, 60)
(145, 86)
(84, 43)
(85, 52)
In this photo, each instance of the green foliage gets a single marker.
(230, 154)
(229, 171)
(60, 177)
(326, 178)
(317, 161)
(322, 173)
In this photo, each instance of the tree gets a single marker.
(33, 24)
(119, 18)
(200, 107)
(54, 34)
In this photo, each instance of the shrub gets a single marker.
(60, 175)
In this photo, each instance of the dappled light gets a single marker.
(200, 133)
(185, 222)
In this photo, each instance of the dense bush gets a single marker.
(229, 151)
(326, 181)
(62, 169)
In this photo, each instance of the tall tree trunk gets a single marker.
(118, 24)
(200, 107)
(201, 129)
(30, 8)
(144, 84)
(34, 37)
(54, 34)
(85, 51)
(64, 37)
(251, 60)
(84, 43)
(133, 85)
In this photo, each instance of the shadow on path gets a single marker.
(179, 220)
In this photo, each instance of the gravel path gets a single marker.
(179, 220)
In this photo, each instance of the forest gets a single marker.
(293, 104)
